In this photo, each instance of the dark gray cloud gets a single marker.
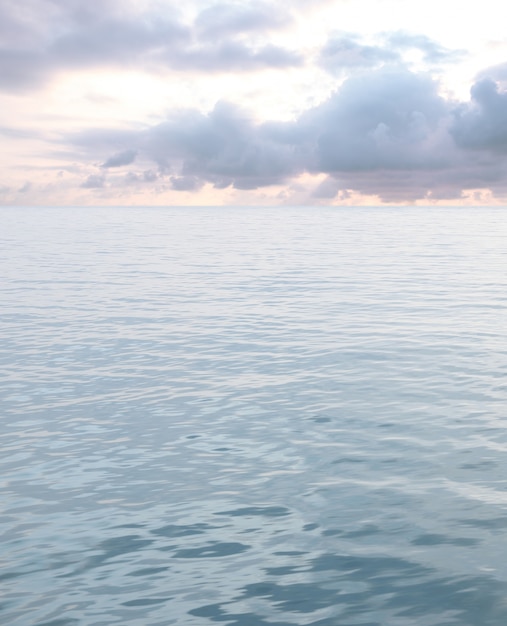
(224, 147)
(482, 124)
(391, 134)
(384, 119)
(386, 132)
(49, 36)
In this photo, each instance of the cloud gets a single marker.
(224, 147)
(121, 158)
(327, 189)
(384, 119)
(346, 51)
(482, 124)
(25, 187)
(114, 40)
(232, 55)
(12, 132)
(343, 52)
(386, 132)
(225, 19)
(50, 36)
(433, 52)
(104, 140)
(496, 73)
(150, 176)
(94, 181)
(186, 183)
(53, 36)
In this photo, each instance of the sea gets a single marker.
(253, 416)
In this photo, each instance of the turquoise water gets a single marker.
(253, 417)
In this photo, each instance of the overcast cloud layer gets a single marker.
(371, 114)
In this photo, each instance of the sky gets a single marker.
(252, 102)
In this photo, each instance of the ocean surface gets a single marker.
(253, 417)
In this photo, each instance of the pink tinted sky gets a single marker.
(243, 102)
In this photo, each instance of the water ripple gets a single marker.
(256, 417)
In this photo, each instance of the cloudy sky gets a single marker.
(246, 102)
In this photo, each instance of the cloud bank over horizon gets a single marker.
(139, 102)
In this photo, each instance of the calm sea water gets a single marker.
(253, 417)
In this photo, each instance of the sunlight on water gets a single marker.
(253, 417)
